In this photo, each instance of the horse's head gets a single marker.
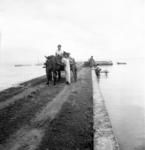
(49, 57)
(66, 54)
(48, 60)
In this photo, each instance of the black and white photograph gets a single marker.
(72, 75)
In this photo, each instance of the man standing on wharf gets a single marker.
(92, 62)
(66, 62)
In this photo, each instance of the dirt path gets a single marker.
(72, 128)
(55, 117)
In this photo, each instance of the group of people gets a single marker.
(65, 59)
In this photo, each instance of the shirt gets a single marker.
(59, 52)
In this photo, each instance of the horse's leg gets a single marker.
(74, 70)
(76, 74)
(59, 74)
(47, 75)
(54, 77)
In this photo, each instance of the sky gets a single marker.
(106, 29)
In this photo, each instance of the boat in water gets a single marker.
(104, 63)
(121, 63)
(22, 65)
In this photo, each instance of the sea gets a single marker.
(123, 90)
(11, 76)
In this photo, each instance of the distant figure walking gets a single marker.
(66, 62)
(92, 62)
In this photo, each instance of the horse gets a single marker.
(54, 66)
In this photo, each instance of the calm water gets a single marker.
(12, 76)
(124, 92)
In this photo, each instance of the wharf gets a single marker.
(104, 137)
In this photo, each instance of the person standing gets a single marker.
(66, 62)
(92, 62)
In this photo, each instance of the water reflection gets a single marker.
(98, 77)
(106, 74)
(123, 91)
